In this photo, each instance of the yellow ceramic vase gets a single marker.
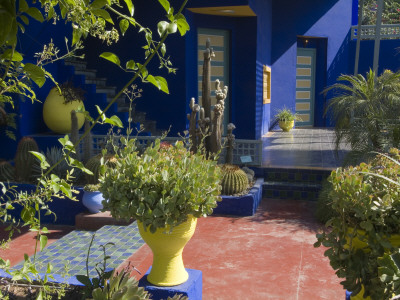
(286, 125)
(57, 115)
(167, 248)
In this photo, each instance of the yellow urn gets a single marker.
(167, 247)
(57, 113)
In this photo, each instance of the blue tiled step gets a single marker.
(71, 250)
(291, 190)
(292, 175)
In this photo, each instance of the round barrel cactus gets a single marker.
(24, 160)
(7, 171)
(234, 180)
(94, 165)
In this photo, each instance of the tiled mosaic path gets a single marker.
(70, 252)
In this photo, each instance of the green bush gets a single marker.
(162, 186)
(366, 203)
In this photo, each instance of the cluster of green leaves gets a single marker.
(162, 186)
(389, 271)
(366, 110)
(366, 203)
(390, 13)
(285, 114)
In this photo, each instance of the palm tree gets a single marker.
(366, 112)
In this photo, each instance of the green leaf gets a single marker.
(159, 82)
(111, 57)
(23, 6)
(103, 117)
(6, 26)
(43, 241)
(131, 9)
(35, 73)
(114, 120)
(24, 19)
(35, 13)
(103, 14)
(16, 56)
(99, 3)
(84, 280)
(76, 36)
(131, 65)
(165, 4)
(183, 25)
(123, 25)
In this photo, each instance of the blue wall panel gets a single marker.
(321, 19)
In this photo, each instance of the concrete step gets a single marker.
(97, 81)
(87, 72)
(78, 64)
(108, 90)
(291, 190)
(293, 175)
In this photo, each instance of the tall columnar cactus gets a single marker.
(234, 180)
(74, 135)
(94, 165)
(206, 123)
(87, 143)
(24, 160)
(7, 171)
(230, 137)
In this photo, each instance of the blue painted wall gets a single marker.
(329, 19)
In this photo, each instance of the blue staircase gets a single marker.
(99, 93)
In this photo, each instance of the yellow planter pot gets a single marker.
(167, 248)
(57, 115)
(286, 125)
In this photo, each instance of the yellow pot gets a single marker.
(167, 248)
(57, 115)
(286, 125)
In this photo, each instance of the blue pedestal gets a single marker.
(192, 288)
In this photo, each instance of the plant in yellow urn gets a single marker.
(165, 189)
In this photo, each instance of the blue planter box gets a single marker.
(245, 205)
(65, 209)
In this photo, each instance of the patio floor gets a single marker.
(267, 256)
(309, 148)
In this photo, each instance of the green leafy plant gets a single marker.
(366, 203)
(94, 165)
(285, 114)
(389, 272)
(162, 186)
(365, 110)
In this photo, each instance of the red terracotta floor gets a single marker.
(267, 256)
(24, 242)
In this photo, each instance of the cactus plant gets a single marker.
(7, 171)
(234, 180)
(74, 135)
(87, 142)
(250, 174)
(230, 137)
(208, 124)
(24, 160)
(94, 165)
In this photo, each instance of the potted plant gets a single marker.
(286, 119)
(366, 223)
(92, 198)
(59, 103)
(165, 189)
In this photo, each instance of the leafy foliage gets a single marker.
(162, 186)
(366, 110)
(286, 114)
(366, 203)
